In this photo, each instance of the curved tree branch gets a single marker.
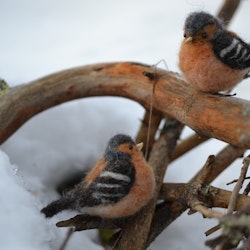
(207, 114)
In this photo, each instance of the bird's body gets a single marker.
(211, 58)
(119, 185)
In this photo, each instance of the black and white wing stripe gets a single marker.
(114, 183)
(232, 51)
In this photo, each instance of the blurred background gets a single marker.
(42, 37)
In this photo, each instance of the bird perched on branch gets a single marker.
(211, 58)
(119, 185)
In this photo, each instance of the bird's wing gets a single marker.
(113, 183)
(232, 51)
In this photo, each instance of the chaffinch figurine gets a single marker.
(211, 58)
(119, 185)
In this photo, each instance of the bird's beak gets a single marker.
(188, 40)
(139, 145)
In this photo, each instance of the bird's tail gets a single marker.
(57, 206)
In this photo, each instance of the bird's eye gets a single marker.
(204, 35)
(130, 147)
(184, 35)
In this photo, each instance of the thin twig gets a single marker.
(208, 213)
(66, 240)
(247, 189)
(212, 230)
(228, 244)
(237, 187)
(235, 180)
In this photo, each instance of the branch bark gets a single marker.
(207, 114)
(218, 197)
(170, 192)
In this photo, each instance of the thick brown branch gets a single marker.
(165, 214)
(216, 196)
(227, 10)
(159, 159)
(209, 115)
(176, 195)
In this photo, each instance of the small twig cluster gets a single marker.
(235, 226)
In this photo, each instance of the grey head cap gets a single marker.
(196, 21)
(119, 139)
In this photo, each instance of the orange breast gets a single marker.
(204, 71)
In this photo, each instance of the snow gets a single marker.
(42, 37)
(19, 212)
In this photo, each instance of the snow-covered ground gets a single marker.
(42, 37)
